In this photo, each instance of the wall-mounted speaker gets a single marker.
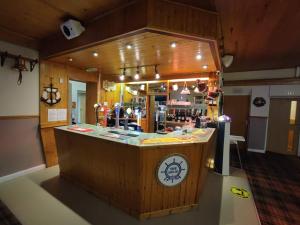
(71, 28)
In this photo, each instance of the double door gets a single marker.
(284, 126)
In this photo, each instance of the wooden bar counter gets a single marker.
(146, 175)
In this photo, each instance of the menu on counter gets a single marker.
(80, 129)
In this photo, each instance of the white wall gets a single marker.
(20, 140)
(18, 100)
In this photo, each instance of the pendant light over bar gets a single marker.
(137, 75)
(122, 76)
(157, 76)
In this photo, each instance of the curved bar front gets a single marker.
(146, 176)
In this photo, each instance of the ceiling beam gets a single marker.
(17, 38)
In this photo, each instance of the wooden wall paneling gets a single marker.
(111, 175)
(56, 71)
(238, 108)
(182, 19)
(91, 99)
(111, 97)
(49, 146)
(208, 155)
(158, 200)
(144, 124)
(127, 95)
(81, 75)
(126, 175)
(60, 72)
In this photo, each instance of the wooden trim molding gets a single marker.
(19, 117)
(280, 81)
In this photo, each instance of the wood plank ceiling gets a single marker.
(147, 48)
(262, 34)
(26, 22)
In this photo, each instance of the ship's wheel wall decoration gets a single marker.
(51, 95)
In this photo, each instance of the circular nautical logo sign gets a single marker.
(172, 170)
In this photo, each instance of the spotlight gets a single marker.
(137, 75)
(95, 54)
(122, 76)
(175, 87)
(205, 67)
(198, 56)
(129, 46)
(157, 76)
(173, 44)
(70, 59)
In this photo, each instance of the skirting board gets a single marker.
(22, 173)
(256, 150)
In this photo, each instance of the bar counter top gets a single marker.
(193, 135)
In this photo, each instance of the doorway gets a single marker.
(77, 102)
(237, 108)
(284, 124)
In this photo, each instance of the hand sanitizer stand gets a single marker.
(222, 157)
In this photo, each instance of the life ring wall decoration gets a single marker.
(259, 102)
(172, 170)
(51, 95)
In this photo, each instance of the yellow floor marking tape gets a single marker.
(240, 192)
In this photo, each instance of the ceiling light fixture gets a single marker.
(185, 90)
(95, 54)
(129, 46)
(199, 56)
(137, 75)
(205, 67)
(173, 44)
(157, 76)
(227, 60)
(175, 87)
(122, 76)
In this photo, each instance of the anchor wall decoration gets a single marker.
(51, 94)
